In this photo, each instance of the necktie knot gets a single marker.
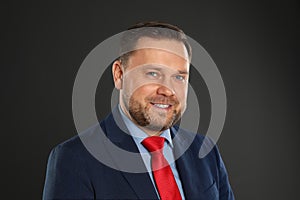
(153, 143)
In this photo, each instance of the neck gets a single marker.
(150, 132)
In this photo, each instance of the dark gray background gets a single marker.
(255, 46)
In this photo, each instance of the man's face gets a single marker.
(155, 83)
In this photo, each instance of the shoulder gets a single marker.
(74, 147)
(68, 175)
(66, 154)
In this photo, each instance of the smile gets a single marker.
(163, 106)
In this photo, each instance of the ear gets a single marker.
(117, 72)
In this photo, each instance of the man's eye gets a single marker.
(180, 78)
(153, 74)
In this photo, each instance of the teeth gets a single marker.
(161, 105)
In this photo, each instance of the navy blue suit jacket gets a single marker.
(74, 173)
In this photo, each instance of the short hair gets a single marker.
(152, 29)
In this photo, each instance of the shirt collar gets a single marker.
(138, 133)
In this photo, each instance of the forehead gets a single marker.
(165, 52)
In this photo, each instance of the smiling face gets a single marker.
(153, 84)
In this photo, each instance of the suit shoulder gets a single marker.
(75, 144)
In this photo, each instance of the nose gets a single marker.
(163, 90)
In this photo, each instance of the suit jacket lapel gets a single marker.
(192, 175)
(184, 163)
(140, 182)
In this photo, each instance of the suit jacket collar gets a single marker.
(195, 175)
(185, 163)
(117, 132)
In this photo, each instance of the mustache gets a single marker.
(163, 100)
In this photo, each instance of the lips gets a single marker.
(167, 105)
(159, 105)
(161, 102)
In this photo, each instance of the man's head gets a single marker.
(152, 75)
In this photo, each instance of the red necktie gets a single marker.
(163, 176)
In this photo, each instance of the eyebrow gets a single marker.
(183, 72)
(160, 69)
(153, 68)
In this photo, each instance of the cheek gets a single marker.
(146, 89)
(142, 92)
(182, 98)
(133, 85)
(181, 94)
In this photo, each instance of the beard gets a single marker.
(150, 118)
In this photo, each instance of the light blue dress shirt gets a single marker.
(139, 135)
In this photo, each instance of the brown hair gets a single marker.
(152, 29)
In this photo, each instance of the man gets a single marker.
(151, 75)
